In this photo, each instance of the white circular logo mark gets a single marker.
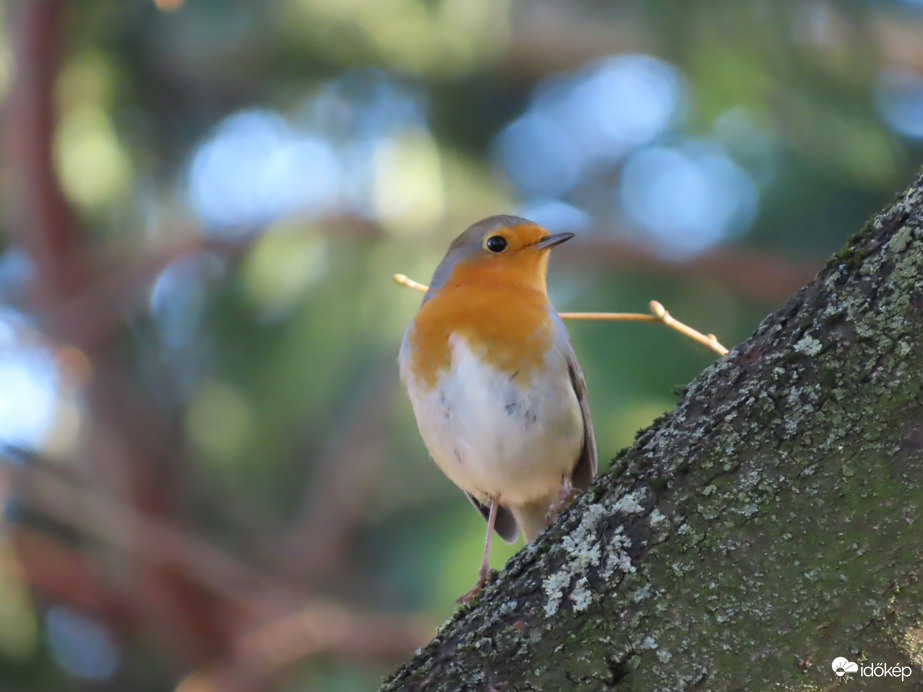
(841, 666)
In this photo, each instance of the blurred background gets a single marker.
(210, 476)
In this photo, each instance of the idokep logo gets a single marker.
(842, 666)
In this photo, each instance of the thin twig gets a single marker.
(707, 340)
(405, 280)
(609, 316)
(658, 314)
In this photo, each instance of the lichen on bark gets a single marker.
(764, 527)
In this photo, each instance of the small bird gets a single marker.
(499, 397)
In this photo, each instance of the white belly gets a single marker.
(495, 436)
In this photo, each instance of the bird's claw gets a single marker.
(479, 584)
(566, 493)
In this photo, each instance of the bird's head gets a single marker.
(500, 250)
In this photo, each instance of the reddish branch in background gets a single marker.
(130, 449)
(147, 573)
(40, 217)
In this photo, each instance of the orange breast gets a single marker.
(503, 318)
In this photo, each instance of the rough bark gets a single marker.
(767, 525)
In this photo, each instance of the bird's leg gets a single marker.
(484, 572)
(566, 493)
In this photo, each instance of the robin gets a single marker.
(498, 394)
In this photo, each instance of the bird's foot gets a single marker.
(566, 493)
(479, 584)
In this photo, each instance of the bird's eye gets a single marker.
(496, 244)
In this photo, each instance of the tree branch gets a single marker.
(44, 220)
(764, 527)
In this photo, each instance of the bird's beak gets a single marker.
(552, 240)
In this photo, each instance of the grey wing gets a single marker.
(587, 463)
(505, 523)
